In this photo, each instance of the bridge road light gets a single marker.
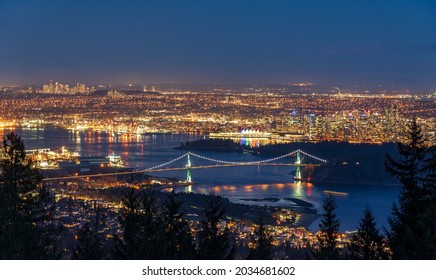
(163, 166)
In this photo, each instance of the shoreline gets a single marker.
(356, 183)
(306, 220)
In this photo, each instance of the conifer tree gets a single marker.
(261, 241)
(367, 243)
(89, 245)
(144, 235)
(328, 232)
(429, 186)
(213, 243)
(25, 206)
(177, 231)
(412, 222)
(124, 248)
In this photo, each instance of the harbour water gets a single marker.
(240, 184)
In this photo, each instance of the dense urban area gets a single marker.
(286, 113)
(100, 218)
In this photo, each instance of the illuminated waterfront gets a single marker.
(241, 184)
(271, 113)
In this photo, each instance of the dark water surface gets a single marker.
(247, 182)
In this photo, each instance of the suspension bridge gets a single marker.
(214, 163)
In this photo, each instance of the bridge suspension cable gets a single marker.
(255, 162)
(312, 156)
(242, 162)
(159, 167)
(166, 163)
(231, 162)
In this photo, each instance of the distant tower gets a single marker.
(144, 89)
(298, 166)
(153, 88)
(312, 116)
(188, 174)
(188, 169)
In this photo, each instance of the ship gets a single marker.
(335, 193)
(111, 160)
(115, 160)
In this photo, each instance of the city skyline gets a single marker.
(365, 44)
(218, 130)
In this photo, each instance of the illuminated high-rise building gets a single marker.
(144, 89)
(58, 88)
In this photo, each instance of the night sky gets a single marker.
(327, 42)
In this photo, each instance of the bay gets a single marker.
(240, 184)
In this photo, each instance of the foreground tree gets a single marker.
(429, 186)
(143, 228)
(328, 232)
(89, 245)
(26, 229)
(177, 231)
(412, 222)
(367, 243)
(261, 242)
(213, 242)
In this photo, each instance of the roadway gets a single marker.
(172, 169)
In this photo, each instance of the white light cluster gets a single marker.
(166, 163)
(243, 162)
(312, 156)
(234, 162)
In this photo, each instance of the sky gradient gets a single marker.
(328, 42)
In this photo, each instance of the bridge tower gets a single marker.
(188, 173)
(298, 166)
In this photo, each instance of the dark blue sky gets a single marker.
(331, 42)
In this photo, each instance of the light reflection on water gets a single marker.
(256, 142)
(143, 151)
(296, 190)
(274, 190)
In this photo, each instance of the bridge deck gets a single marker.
(171, 169)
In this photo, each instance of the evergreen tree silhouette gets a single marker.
(177, 231)
(27, 230)
(262, 241)
(213, 243)
(367, 243)
(89, 245)
(412, 222)
(328, 232)
(144, 234)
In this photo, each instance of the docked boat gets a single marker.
(115, 160)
